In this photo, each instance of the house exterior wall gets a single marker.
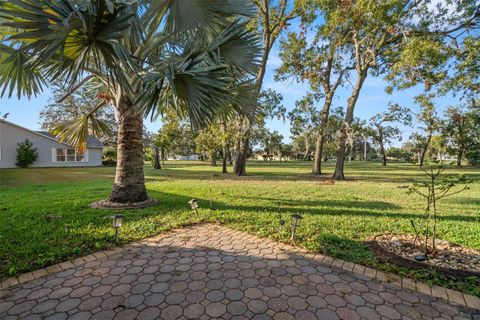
(11, 135)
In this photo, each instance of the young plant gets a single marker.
(26, 154)
(434, 189)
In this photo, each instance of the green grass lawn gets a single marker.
(45, 219)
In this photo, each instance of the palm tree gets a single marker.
(142, 57)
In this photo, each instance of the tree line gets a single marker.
(147, 59)
(339, 44)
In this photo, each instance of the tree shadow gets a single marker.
(363, 204)
(356, 208)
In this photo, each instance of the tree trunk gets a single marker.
(317, 159)
(240, 163)
(156, 163)
(229, 154)
(213, 159)
(382, 147)
(384, 156)
(424, 151)
(224, 147)
(307, 151)
(364, 148)
(224, 158)
(163, 155)
(459, 158)
(338, 174)
(129, 184)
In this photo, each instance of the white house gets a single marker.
(51, 153)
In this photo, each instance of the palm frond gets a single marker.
(76, 132)
(17, 73)
(66, 38)
(207, 16)
(239, 48)
(187, 87)
(205, 79)
(192, 56)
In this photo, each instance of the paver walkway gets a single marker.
(207, 271)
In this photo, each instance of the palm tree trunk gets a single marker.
(129, 184)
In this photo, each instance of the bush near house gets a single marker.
(26, 154)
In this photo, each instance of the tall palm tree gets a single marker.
(142, 57)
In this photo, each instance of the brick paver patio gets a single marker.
(208, 271)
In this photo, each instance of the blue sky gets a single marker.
(372, 100)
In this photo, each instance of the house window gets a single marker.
(80, 156)
(61, 155)
(69, 155)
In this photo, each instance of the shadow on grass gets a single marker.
(330, 203)
(466, 201)
(330, 208)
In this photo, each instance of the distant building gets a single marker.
(51, 152)
(192, 157)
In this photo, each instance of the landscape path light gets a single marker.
(117, 223)
(194, 205)
(295, 223)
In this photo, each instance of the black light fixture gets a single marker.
(117, 223)
(295, 223)
(194, 205)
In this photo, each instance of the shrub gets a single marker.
(109, 163)
(26, 154)
(110, 153)
(473, 155)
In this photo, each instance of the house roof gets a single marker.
(92, 142)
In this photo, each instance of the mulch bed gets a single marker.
(450, 259)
